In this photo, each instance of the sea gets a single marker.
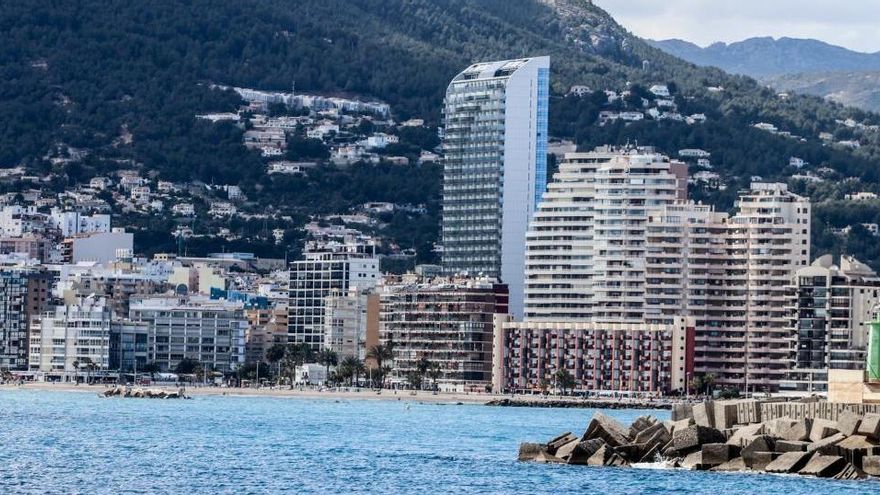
(78, 443)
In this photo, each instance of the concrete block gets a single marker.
(788, 462)
(640, 423)
(761, 443)
(681, 424)
(584, 450)
(850, 472)
(745, 432)
(566, 450)
(682, 411)
(656, 430)
(871, 465)
(800, 431)
(776, 427)
(608, 429)
(760, 460)
(827, 446)
(546, 458)
(791, 446)
(824, 466)
(691, 438)
(733, 465)
(870, 426)
(848, 422)
(718, 453)
(704, 414)
(857, 447)
(725, 414)
(694, 461)
(528, 451)
(822, 428)
(554, 444)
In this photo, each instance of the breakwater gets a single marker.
(740, 435)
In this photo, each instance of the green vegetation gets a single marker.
(123, 81)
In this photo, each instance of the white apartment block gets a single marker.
(73, 223)
(71, 333)
(211, 332)
(495, 167)
(332, 268)
(585, 248)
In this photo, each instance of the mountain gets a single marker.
(121, 82)
(803, 65)
(765, 56)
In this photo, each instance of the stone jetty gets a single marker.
(537, 401)
(814, 439)
(144, 393)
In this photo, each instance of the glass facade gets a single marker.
(541, 141)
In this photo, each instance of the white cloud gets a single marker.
(850, 23)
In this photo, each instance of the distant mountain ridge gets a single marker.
(765, 56)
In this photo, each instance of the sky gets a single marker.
(854, 24)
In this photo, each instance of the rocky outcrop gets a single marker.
(143, 393)
(846, 447)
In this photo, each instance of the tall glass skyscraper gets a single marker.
(495, 167)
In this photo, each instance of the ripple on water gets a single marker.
(76, 443)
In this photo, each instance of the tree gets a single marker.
(328, 358)
(186, 366)
(564, 380)
(75, 365)
(274, 355)
(295, 356)
(381, 354)
(414, 379)
(152, 368)
(434, 373)
(90, 366)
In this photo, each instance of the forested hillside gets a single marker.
(123, 80)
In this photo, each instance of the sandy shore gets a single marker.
(370, 394)
(364, 394)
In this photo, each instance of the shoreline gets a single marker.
(495, 400)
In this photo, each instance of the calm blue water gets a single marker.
(77, 443)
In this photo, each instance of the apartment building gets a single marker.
(345, 322)
(330, 268)
(446, 321)
(495, 167)
(830, 307)
(24, 292)
(209, 331)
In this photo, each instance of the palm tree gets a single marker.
(87, 362)
(434, 373)
(381, 354)
(349, 368)
(75, 365)
(274, 355)
(152, 368)
(328, 358)
(294, 357)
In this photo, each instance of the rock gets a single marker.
(848, 422)
(800, 431)
(546, 458)
(827, 446)
(822, 428)
(733, 465)
(789, 462)
(871, 465)
(704, 414)
(528, 451)
(725, 414)
(791, 446)
(824, 466)
(760, 460)
(694, 461)
(715, 454)
(691, 438)
(745, 432)
(855, 448)
(870, 426)
(556, 443)
(760, 443)
(776, 427)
